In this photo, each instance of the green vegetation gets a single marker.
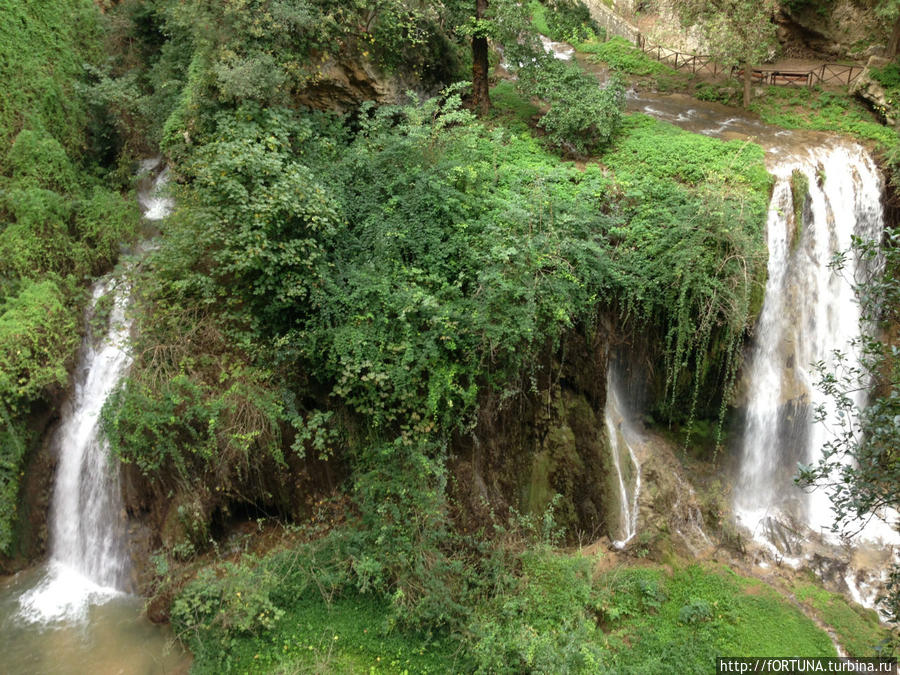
(820, 110)
(680, 622)
(354, 293)
(859, 631)
(738, 32)
(888, 77)
(691, 203)
(343, 300)
(551, 615)
(565, 21)
(60, 223)
(799, 198)
(582, 116)
(623, 57)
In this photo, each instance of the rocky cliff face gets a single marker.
(547, 441)
(343, 84)
(842, 29)
(872, 91)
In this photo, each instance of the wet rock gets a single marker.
(871, 91)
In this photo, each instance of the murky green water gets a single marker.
(112, 638)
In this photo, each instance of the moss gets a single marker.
(799, 197)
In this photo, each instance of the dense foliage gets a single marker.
(349, 293)
(354, 289)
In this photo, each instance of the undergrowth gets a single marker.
(681, 621)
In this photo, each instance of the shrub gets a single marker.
(583, 117)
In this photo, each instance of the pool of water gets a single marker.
(106, 639)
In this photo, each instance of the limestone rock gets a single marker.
(871, 91)
(342, 84)
(845, 29)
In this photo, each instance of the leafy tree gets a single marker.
(739, 32)
(860, 468)
(502, 21)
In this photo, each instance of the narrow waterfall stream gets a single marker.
(625, 461)
(75, 615)
(88, 562)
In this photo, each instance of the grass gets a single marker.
(347, 636)
(819, 110)
(681, 621)
(511, 109)
(539, 17)
(623, 57)
(858, 629)
(645, 619)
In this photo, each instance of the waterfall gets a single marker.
(88, 559)
(808, 313)
(619, 432)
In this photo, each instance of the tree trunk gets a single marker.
(894, 43)
(481, 96)
(748, 83)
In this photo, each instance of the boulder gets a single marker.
(872, 91)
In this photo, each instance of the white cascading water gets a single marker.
(808, 312)
(619, 431)
(88, 561)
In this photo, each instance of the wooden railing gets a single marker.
(827, 73)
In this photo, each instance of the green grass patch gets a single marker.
(539, 17)
(511, 108)
(819, 110)
(889, 78)
(680, 622)
(348, 635)
(858, 629)
(623, 56)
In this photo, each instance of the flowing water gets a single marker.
(75, 615)
(809, 311)
(88, 562)
(622, 437)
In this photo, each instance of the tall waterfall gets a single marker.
(625, 461)
(88, 561)
(808, 313)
